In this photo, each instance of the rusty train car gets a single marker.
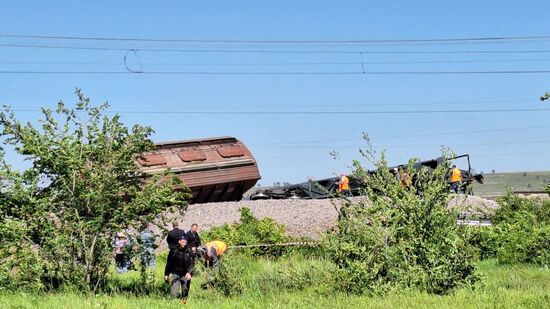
(215, 169)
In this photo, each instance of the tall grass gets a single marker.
(304, 282)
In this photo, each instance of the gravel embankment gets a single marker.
(309, 218)
(473, 204)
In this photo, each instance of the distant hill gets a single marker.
(496, 183)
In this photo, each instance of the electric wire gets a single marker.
(243, 73)
(337, 112)
(405, 136)
(328, 157)
(408, 146)
(274, 63)
(370, 41)
(342, 104)
(271, 51)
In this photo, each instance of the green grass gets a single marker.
(496, 183)
(265, 285)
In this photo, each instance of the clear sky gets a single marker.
(288, 136)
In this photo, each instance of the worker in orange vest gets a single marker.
(404, 179)
(343, 186)
(211, 252)
(456, 178)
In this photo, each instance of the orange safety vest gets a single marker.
(405, 180)
(218, 245)
(343, 184)
(456, 175)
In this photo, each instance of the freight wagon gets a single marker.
(215, 169)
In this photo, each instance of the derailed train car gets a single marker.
(215, 169)
(327, 188)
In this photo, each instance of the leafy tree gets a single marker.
(60, 215)
(402, 237)
(545, 97)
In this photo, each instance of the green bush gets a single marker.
(523, 230)
(523, 244)
(228, 277)
(482, 239)
(520, 232)
(522, 210)
(20, 267)
(250, 231)
(405, 238)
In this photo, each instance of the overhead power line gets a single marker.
(403, 136)
(406, 146)
(273, 63)
(271, 51)
(289, 105)
(468, 132)
(327, 157)
(506, 154)
(225, 41)
(506, 72)
(338, 112)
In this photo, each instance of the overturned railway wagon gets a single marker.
(215, 169)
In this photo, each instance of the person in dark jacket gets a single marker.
(174, 235)
(179, 270)
(193, 238)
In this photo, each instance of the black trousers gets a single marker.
(179, 287)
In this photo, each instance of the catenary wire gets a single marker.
(506, 72)
(370, 41)
(406, 146)
(405, 136)
(260, 51)
(328, 157)
(273, 63)
(338, 112)
(364, 105)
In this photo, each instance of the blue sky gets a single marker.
(293, 147)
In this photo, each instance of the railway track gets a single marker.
(485, 222)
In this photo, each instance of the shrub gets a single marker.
(523, 229)
(522, 210)
(518, 244)
(482, 239)
(405, 239)
(520, 232)
(250, 231)
(20, 265)
(228, 277)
